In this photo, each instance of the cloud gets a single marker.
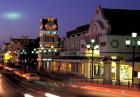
(12, 15)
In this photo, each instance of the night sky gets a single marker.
(22, 17)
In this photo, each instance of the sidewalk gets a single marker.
(107, 88)
(101, 83)
(78, 82)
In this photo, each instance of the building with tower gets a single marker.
(107, 58)
(49, 44)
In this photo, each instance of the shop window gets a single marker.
(138, 74)
(113, 70)
(69, 67)
(125, 72)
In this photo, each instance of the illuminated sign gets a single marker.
(49, 24)
(102, 43)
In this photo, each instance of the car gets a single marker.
(31, 77)
(19, 73)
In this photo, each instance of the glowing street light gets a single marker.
(133, 43)
(92, 46)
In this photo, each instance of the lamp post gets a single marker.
(42, 51)
(34, 51)
(92, 46)
(133, 43)
(34, 58)
(24, 60)
(52, 51)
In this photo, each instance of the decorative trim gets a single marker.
(114, 43)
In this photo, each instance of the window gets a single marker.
(138, 74)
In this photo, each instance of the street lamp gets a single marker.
(34, 51)
(92, 46)
(42, 51)
(24, 60)
(133, 43)
(52, 52)
(23, 52)
(34, 58)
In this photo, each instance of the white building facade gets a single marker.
(111, 61)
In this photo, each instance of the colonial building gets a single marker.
(18, 51)
(110, 28)
(114, 27)
(72, 55)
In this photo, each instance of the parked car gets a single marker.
(31, 77)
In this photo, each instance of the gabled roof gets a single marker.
(123, 22)
(78, 30)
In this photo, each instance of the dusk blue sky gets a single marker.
(22, 17)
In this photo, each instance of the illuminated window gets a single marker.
(69, 67)
(138, 74)
(125, 72)
(113, 69)
(113, 57)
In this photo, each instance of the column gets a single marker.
(118, 73)
(50, 66)
(87, 69)
(39, 61)
(75, 67)
(107, 72)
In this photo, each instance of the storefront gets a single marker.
(125, 72)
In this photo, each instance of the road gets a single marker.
(101, 91)
(6, 90)
(13, 86)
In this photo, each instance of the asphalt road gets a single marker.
(6, 90)
(13, 86)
